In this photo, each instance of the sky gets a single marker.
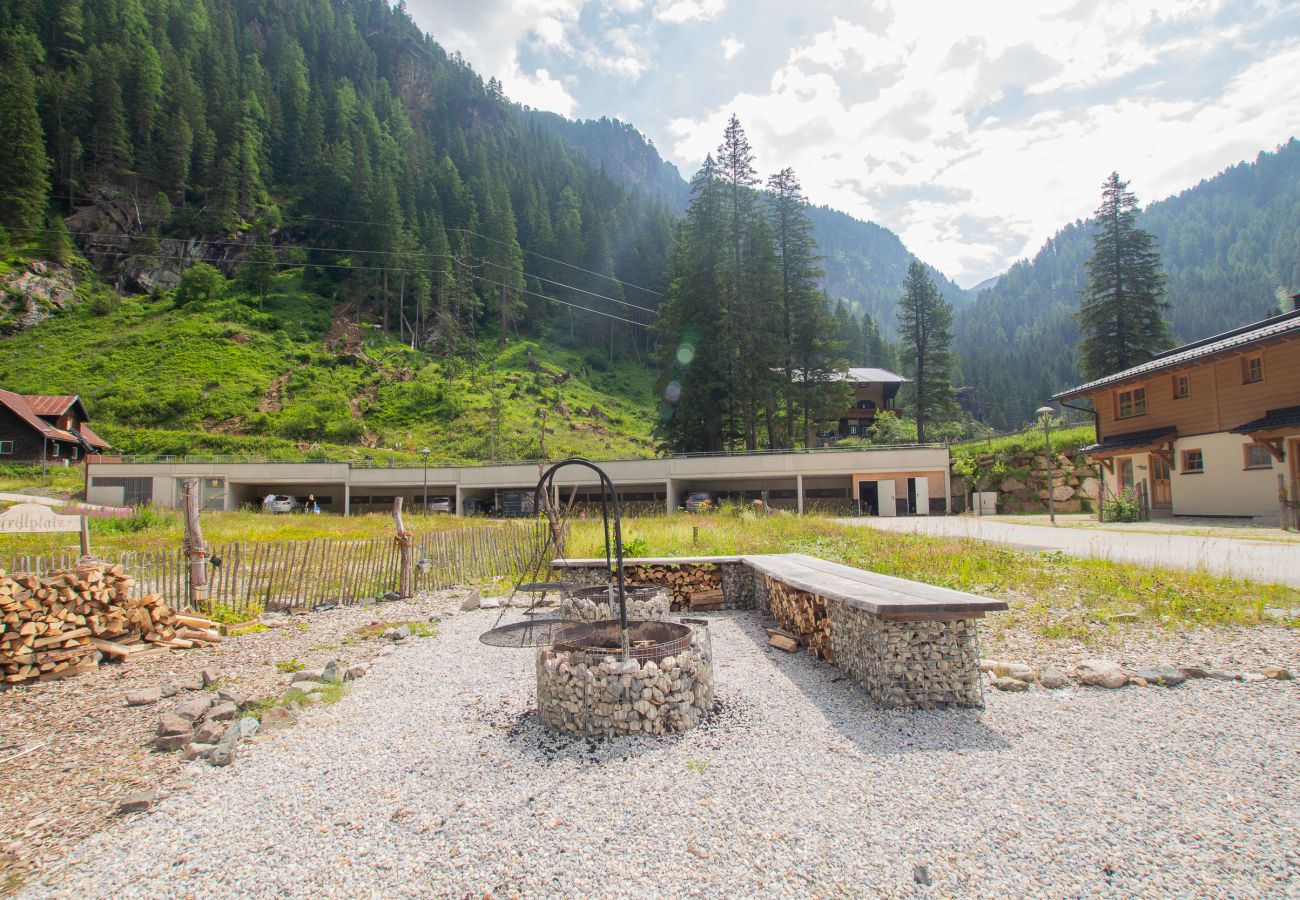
(973, 130)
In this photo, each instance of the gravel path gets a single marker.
(432, 778)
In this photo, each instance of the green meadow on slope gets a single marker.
(217, 375)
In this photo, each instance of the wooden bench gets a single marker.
(911, 645)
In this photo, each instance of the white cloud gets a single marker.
(678, 11)
(730, 47)
(972, 134)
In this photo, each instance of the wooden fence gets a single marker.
(245, 579)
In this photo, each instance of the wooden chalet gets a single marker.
(54, 428)
(1211, 428)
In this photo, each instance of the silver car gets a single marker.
(280, 503)
(441, 504)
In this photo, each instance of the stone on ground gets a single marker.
(223, 712)
(471, 602)
(144, 696)
(1054, 677)
(140, 801)
(278, 717)
(1164, 674)
(193, 710)
(1277, 673)
(1100, 673)
(1006, 683)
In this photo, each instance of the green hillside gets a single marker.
(219, 376)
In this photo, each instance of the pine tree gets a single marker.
(1121, 315)
(24, 176)
(925, 328)
(735, 171)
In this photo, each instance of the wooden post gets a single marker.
(195, 549)
(404, 541)
(1281, 500)
(85, 536)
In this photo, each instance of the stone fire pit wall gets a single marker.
(652, 608)
(598, 694)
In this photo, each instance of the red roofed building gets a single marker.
(39, 426)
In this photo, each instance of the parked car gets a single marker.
(280, 503)
(700, 501)
(441, 504)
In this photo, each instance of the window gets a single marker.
(1258, 457)
(853, 429)
(1182, 386)
(6, 448)
(1126, 474)
(1252, 369)
(1193, 462)
(866, 404)
(1132, 403)
(54, 449)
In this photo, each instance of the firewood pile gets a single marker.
(64, 623)
(693, 587)
(802, 615)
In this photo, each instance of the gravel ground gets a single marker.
(433, 778)
(71, 749)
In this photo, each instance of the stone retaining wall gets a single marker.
(738, 580)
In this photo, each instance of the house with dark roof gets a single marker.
(55, 428)
(1211, 428)
(874, 390)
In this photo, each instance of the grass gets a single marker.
(376, 629)
(223, 377)
(330, 694)
(290, 665)
(1029, 441)
(1059, 596)
(64, 483)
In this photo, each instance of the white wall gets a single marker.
(1226, 487)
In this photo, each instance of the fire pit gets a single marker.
(662, 682)
(600, 602)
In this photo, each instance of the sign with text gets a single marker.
(28, 518)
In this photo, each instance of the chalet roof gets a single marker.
(1257, 333)
(863, 375)
(1130, 439)
(50, 404)
(91, 439)
(19, 406)
(1274, 418)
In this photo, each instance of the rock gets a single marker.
(308, 675)
(167, 742)
(1004, 683)
(1137, 681)
(1193, 672)
(391, 596)
(1253, 678)
(1062, 493)
(169, 688)
(193, 710)
(143, 697)
(223, 712)
(209, 733)
(331, 674)
(1123, 617)
(1163, 674)
(921, 875)
(172, 724)
(230, 696)
(248, 727)
(1053, 678)
(314, 697)
(1277, 673)
(1018, 671)
(274, 620)
(138, 802)
(490, 602)
(401, 634)
(197, 751)
(192, 684)
(1009, 485)
(278, 717)
(354, 672)
(1100, 673)
(471, 602)
(222, 754)
(325, 606)
(305, 686)
(210, 676)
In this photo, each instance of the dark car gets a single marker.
(700, 501)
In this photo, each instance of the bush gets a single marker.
(1124, 508)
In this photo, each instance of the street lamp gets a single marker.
(1045, 414)
(425, 454)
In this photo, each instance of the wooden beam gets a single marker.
(1274, 446)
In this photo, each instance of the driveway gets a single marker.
(1238, 557)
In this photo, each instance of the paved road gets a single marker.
(1256, 560)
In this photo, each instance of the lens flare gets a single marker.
(673, 392)
(685, 354)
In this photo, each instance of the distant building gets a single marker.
(1205, 429)
(874, 390)
(54, 428)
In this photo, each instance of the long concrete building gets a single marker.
(887, 481)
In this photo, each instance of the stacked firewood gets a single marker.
(695, 587)
(63, 623)
(801, 614)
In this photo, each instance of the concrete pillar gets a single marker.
(347, 499)
(460, 499)
(947, 488)
(798, 490)
(670, 492)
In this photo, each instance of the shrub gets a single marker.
(1123, 508)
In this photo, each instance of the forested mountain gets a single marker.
(441, 207)
(1231, 252)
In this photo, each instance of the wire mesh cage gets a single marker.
(597, 602)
